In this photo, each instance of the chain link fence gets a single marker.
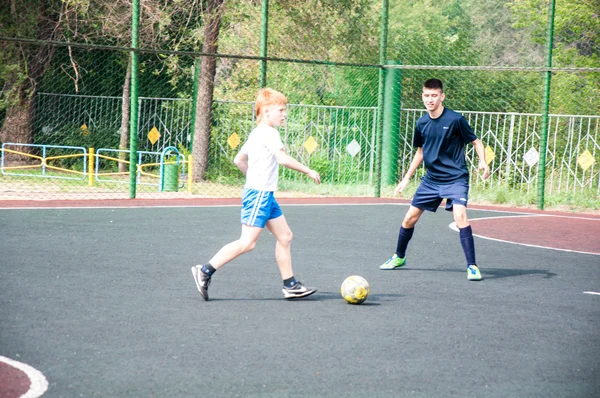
(526, 75)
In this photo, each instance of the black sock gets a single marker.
(208, 269)
(468, 245)
(289, 282)
(403, 239)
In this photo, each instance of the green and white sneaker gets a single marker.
(473, 273)
(393, 262)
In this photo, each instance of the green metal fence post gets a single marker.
(391, 124)
(264, 32)
(545, 110)
(380, 98)
(133, 122)
(194, 101)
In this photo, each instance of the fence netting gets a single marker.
(525, 74)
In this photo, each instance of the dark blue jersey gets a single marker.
(443, 141)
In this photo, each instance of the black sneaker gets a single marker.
(297, 291)
(202, 281)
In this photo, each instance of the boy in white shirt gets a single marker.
(259, 159)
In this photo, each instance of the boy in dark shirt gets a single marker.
(440, 138)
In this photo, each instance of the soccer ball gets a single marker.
(355, 289)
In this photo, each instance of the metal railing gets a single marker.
(513, 142)
(340, 141)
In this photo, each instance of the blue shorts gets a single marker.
(429, 194)
(258, 207)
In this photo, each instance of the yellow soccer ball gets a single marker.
(355, 289)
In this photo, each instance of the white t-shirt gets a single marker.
(263, 169)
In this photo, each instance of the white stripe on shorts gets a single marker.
(256, 207)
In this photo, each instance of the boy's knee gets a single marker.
(286, 238)
(461, 220)
(411, 217)
(410, 220)
(247, 246)
(409, 223)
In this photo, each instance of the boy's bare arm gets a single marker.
(483, 166)
(287, 161)
(416, 162)
(241, 161)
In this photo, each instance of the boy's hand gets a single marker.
(486, 169)
(400, 187)
(314, 175)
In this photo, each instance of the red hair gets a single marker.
(266, 97)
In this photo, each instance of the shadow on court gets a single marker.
(319, 296)
(496, 273)
(102, 302)
(491, 273)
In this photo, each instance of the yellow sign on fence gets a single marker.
(310, 145)
(153, 135)
(489, 154)
(233, 140)
(585, 160)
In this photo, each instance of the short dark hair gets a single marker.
(434, 84)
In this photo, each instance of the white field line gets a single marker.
(39, 384)
(453, 227)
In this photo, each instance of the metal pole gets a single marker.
(545, 109)
(381, 99)
(511, 134)
(133, 121)
(391, 125)
(91, 167)
(194, 102)
(264, 33)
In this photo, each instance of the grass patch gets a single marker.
(582, 201)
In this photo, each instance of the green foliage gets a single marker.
(576, 39)
(587, 199)
(322, 165)
(455, 33)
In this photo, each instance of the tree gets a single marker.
(212, 25)
(576, 44)
(109, 23)
(103, 22)
(24, 65)
(344, 31)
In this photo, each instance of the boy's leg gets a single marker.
(283, 254)
(283, 248)
(465, 233)
(257, 208)
(398, 259)
(407, 228)
(245, 243)
(466, 240)
(457, 195)
(203, 273)
(412, 217)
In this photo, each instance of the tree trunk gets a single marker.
(18, 123)
(17, 128)
(125, 113)
(33, 61)
(206, 84)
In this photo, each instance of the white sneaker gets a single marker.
(473, 273)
